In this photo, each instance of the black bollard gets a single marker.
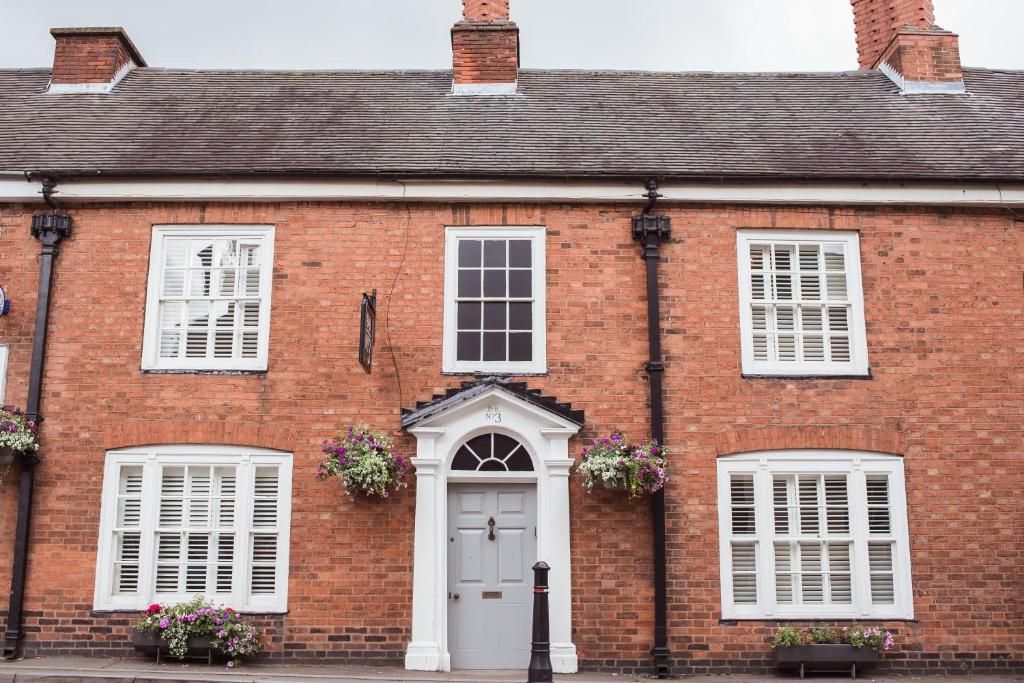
(540, 648)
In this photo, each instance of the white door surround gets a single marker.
(546, 436)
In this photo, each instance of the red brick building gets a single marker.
(840, 328)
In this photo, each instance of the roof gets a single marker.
(471, 389)
(562, 124)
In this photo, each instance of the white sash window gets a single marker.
(801, 304)
(813, 534)
(208, 301)
(182, 520)
(494, 300)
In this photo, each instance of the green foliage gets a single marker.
(856, 635)
(787, 636)
(824, 635)
(199, 617)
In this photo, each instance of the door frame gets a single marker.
(546, 438)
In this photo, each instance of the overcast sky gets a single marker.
(671, 35)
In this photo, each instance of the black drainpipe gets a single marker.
(651, 231)
(49, 228)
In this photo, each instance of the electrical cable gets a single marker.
(391, 292)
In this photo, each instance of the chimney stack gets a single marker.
(900, 38)
(485, 49)
(91, 59)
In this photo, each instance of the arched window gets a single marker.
(492, 453)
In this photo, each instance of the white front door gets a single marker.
(492, 545)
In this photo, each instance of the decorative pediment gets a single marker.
(468, 391)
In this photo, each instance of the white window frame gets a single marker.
(857, 465)
(151, 359)
(858, 363)
(4, 353)
(537, 236)
(152, 458)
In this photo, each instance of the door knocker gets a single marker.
(490, 529)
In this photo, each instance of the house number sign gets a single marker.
(492, 413)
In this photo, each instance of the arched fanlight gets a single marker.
(492, 453)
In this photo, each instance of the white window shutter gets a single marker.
(834, 542)
(880, 561)
(208, 304)
(178, 521)
(801, 310)
(225, 502)
(878, 504)
(263, 559)
(744, 573)
(128, 531)
(743, 520)
(744, 554)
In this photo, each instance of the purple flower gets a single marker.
(164, 623)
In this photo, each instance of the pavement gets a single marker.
(96, 670)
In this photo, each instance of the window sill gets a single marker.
(493, 373)
(186, 371)
(786, 620)
(107, 612)
(756, 375)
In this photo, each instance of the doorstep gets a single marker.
(103, 670)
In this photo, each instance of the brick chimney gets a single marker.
(91, 59)
(485, 50)
(900, 38)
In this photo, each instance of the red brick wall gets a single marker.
(931, 56)
(88, 57)
(878, 21)
(485, 52)
(943, 304)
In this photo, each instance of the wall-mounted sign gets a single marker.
(367, 329)
(5, 304)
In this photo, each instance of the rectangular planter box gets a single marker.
(805, 659)
(151, 645)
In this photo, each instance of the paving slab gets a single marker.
(97, 670)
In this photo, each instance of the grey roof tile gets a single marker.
(564, 124)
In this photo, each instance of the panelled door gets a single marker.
(492, 545)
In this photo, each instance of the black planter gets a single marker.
(616, 484)
(7, 456)
(150, 644)
(805, 659)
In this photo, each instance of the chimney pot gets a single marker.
(91, 59)
(485, 10)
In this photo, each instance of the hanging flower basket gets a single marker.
(365, 462)
(637, 469)
(17, 437)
